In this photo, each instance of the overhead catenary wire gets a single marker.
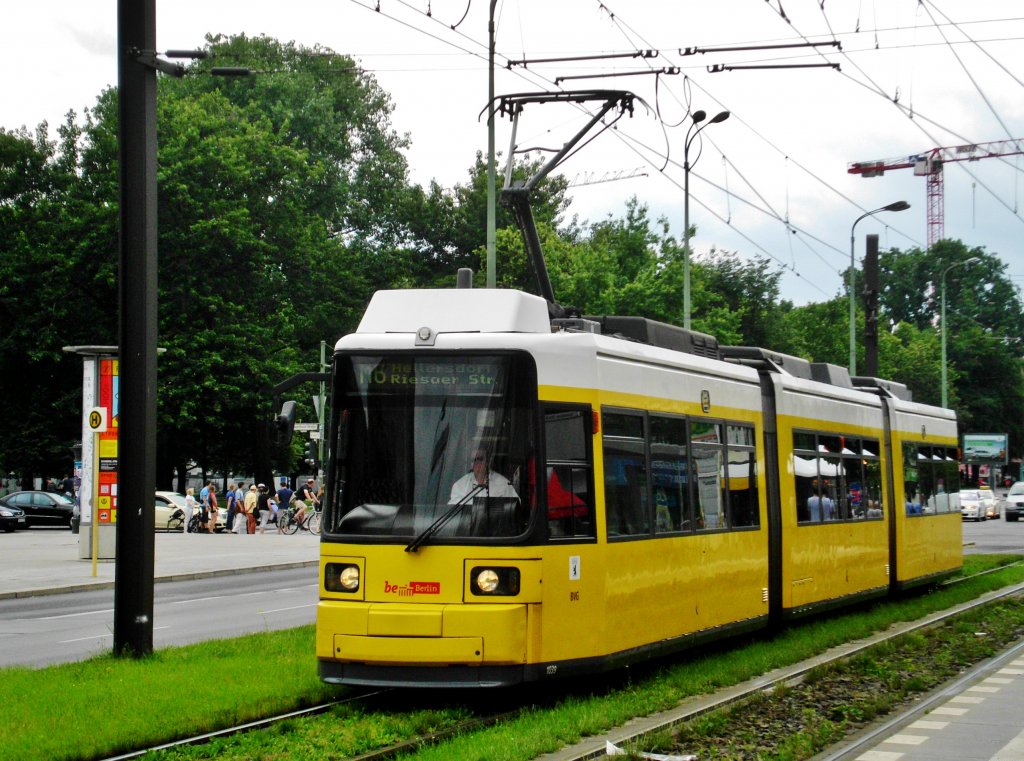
(669, 91)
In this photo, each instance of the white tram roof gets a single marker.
(455, 310)
(467, 318)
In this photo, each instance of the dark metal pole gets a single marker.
(871, 307)
(137, 331)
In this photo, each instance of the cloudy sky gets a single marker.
(892, 78)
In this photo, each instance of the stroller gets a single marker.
(177, 520)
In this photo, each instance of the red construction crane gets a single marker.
(929, 164)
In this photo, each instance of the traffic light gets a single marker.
(311, 453)
(284, 423)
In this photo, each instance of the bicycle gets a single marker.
(313, 521)
(286, 523)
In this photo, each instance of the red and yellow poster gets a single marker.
(106, 474)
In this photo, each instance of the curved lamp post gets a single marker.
(895, 206)
(691, 135)
(942, 321)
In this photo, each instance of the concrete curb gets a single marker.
(187, 576)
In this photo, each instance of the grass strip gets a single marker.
(107, 705)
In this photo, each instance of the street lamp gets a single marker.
(691, 135)
(942, 320)
(895, 206)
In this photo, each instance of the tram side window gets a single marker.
(832, 479)
(817, 466)
(930, 475)
(949, 476)
(708, 467)
(670, 474)
(741, 477)
(806, 484)
(911, 467)
(625, 474)
(569, 501)
(926, 481)
(871, 491)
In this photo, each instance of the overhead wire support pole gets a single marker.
(666, 70)
(738, 48)
(525, 62)
(720, 67)
(492, 182)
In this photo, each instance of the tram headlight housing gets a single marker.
(341, 577)
(494, 581)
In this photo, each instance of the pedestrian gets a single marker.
(263, 509)
(204, 505)
(250, 510)
(214, 510)
(239, 496)
(284, 496)
(68, 486)
(241, 525)
(190, 506)
(229, 497)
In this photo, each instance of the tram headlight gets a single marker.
(341, 577)
(494, 581)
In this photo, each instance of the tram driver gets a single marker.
(481, 481)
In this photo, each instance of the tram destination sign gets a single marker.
(485, 375)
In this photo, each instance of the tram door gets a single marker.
(573, 597)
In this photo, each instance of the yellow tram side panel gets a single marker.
(416, 608)
(831, 560)
(651, 590)
(927, 546)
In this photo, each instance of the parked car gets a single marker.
(167, 504)
(971, 507)
(12, 518)
(42, 508)
(1013, 506)
(168, 501)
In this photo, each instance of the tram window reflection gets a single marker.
(669, 474)
(625, 476)
(710, 491)
(742, 486)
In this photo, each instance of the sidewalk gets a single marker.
(41, 561)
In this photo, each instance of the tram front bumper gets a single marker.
(395, 633)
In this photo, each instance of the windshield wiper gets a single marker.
(436, 526)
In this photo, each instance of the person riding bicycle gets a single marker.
(305, 494)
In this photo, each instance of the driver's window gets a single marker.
(568, 471)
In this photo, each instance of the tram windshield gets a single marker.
(431, 448)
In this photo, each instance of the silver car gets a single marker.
(1014, 504)
(971, 506)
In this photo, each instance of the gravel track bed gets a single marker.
(797, 721)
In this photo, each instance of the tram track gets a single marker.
(594, 747)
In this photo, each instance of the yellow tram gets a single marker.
(515, 498)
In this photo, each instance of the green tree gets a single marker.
(984, 329)
(50, 297)
(448, 228)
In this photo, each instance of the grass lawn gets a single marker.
(107, 705)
